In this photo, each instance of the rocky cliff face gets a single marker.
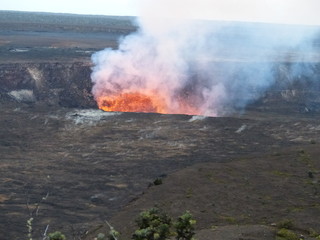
(69, 85)
(63, 84)
(296, 89)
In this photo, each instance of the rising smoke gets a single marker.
(198, 66)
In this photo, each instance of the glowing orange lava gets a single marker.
(146, 102)
(132, 102)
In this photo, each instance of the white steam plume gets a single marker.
(215, 66)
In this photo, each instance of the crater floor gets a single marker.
(88, 164)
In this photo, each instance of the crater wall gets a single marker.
(69, 85)
(61, 84)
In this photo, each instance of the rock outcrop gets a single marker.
(61, 84)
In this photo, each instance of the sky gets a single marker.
(96, 7)
(276, 11)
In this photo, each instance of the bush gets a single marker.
(101, 236)
(153, 225)
(286, 223)
(285, 234)
(313, 233)
(185, 227)
(56, 236)
(113, 234)
(158, 181)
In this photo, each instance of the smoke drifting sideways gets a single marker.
(188, 65)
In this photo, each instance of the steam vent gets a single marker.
(101, 118)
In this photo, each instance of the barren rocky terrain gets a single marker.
(71, 166)
(90, 164)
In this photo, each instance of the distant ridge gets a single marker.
(15, 12)
(21, 20)
(40, 21)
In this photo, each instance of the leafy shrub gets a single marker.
(158, 181)
(313, 233)
(101, 236)
(113, 234)
(185, 227)
(285, 234)
(286, 223)
(153, 225)
(56, 236)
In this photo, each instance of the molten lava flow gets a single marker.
(150, 101)
(132, 102)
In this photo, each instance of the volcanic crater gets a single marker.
(71, 166)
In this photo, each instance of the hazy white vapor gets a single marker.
(213, 67)
(274, 11)
(268, 11)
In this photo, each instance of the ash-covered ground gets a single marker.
(71, 166)
(91, 163)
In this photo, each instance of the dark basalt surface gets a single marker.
(91, 164)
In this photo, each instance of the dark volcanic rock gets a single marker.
(292, 92)
(93, 163)
(64, 84)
